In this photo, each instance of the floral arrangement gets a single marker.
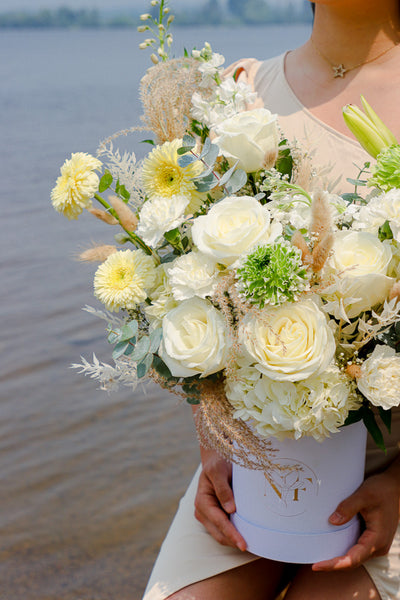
(238, 282)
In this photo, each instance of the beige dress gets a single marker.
(189, 553)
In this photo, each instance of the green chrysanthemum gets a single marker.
(273, 274)
(386, 175)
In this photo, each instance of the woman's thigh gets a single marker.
(346, 585)
(258, 580)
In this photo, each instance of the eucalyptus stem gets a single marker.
(135, 239)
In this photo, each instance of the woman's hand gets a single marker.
(214, 500)
(377, 500)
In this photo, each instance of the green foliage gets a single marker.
(121, 190)
(105, 181)
(140, 350)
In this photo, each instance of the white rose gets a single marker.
(232, 227)
(248, 137)
(290, 342)
(193, 274)
(361, 262)
(195, 339)
(159, 215)
(379, 381)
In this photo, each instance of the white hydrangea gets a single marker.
(193, 274)
(380, 377)
(159, 215)
(314, 407)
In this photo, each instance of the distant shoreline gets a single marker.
(66, 18)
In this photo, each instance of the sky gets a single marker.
(6, 5)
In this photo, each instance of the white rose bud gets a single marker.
(249, 137)
(195, 339)
(233, 226)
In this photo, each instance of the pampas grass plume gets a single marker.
(97, 253)
(103, 216)
(321, 252)
(321, 215)
(299, 242)
(126, 217)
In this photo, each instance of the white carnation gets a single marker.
(159, 215)
(379, 381)
(193, 274)
(385, 207)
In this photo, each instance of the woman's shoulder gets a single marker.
(253, 71)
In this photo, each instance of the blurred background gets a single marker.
(88, 481)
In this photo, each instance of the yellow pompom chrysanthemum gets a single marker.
(163, 176)
(76, 185)
(124, 279)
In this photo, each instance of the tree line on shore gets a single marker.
(211, 12)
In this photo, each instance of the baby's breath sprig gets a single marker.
(158, 27)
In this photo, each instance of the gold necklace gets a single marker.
(340, 70)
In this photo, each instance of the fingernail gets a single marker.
(336, 518)
(229, 507)
(242, 546)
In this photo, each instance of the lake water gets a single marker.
(88, 482)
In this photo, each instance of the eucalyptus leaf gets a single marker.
(357, 182)
(120, 349)
(155, 339)
(227, 175)
(144, 365)
(141, 349)
(105, 181)
(237, 181)
(188, 140)
(186, 160)
(129, 330)
(206, 148)
(350, 197)
(211, 155)
(114, 336)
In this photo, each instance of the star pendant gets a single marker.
(339, 71)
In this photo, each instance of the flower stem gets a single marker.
(135, 239)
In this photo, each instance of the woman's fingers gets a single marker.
(214, 500)
(377, 501)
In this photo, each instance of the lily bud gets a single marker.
(380, 125)
(368, 128)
